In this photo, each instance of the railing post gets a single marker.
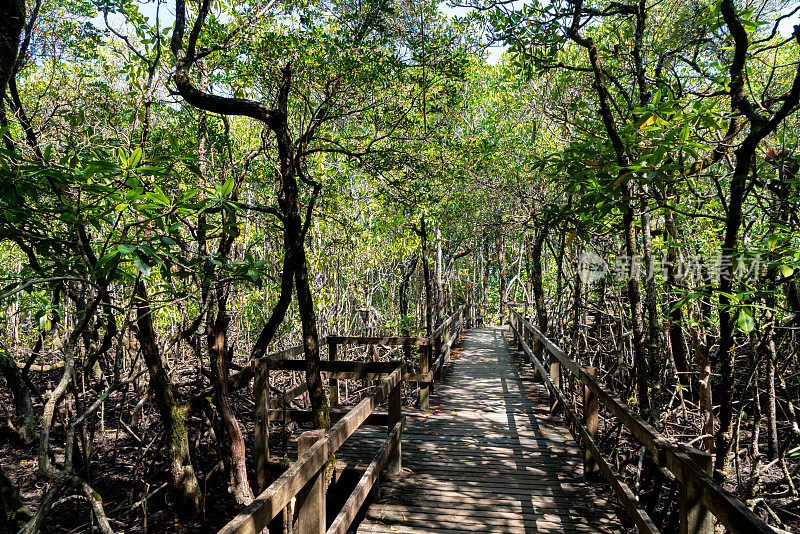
(333, 383)
(694, 517)
(555, 377)
(261, 431)
(437, 350)
(591, 419)
(512, 321)
(310, 503)
(424, 368)
(448, 337)
(395, 414)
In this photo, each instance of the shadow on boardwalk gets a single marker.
(488, 457)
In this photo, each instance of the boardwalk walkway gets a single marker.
(488, 457)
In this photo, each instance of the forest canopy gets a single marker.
(186, 187)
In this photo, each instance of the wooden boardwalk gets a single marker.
(488, 457)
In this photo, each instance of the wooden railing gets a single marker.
(699, 495)
(304, 480)
(439, 343)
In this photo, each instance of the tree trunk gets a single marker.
(439, 284)
(12, 20)
(501, 269)
(704, 392)
(482, 308)
(25, 423)
(674, 280)
(173, 414)
(577, 313)
(426, 271)
(651, 302)
(640, 363)
(538, 287)
(406, 271)
(218, 348)
(773, 446)
(308, 319)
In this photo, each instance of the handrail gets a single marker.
(439, 329)
(440, 340)
(729, 510)
(415, 341)
(359, 495)
(306, 472)
(255, 517)
(629, 501)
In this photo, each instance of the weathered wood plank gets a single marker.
(415, 341)
(729, 510)
(621, 490)
(353, 504)
(255, 517)
(484, 459)
(306, 416)
(288, 397)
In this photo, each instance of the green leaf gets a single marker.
(140, 264)
(107, 257)
(745, 321)
(226, 188)
(126, 249)
(135, 157)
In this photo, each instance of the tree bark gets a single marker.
(25, 423)
(438, 282)
(538, 286)
(423, 234)
(674, 280)
(173, 414)
(501, 268)
(12, 20)
(218, 348)
(407, 270)
(651, 303)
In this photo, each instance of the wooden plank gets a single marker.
(287, 397)
(442, 357)
(422, 520)
(621, 490)
(255, 517)
(425, 368)
(333, 383)
(468, 501)
(296, 350)
(486, 468)
(436, 333)
(416, 341)
(377, 527)
(419, 377)
(261, 424)
(352, 370)
(351, 508)
(469, 518)
(729, 510)
(641, 429)
(371, 368)
(306, 416)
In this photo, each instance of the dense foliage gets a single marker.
(187, 187)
